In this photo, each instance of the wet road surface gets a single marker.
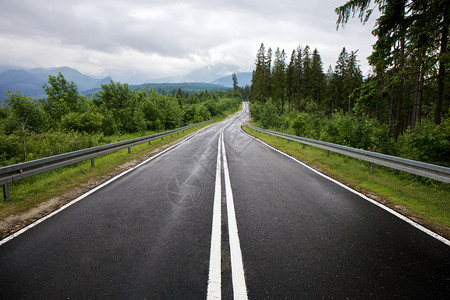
(223, 215)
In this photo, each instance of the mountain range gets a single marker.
(30, 81)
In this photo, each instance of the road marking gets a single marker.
(388, 209)
(215, 270)
(237, 267)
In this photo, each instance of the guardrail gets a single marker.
(435, 172)
(16, 172)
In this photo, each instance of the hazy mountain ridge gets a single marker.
(30, 82)
(216, 74)
(243, 79)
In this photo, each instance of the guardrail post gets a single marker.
(93, 162)
(328, 153)
(372, 168)
(303, 146)
(129, 149)
(149, 143)
(6, 194)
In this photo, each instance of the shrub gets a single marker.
(427, 142)
(83, 122)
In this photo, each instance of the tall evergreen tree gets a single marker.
(235, 82)
(299, 78)
(257, 93)
(290, 81)
(317, 78)
(279, 80)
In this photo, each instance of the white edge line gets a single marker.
(237, 266)
(215, 269)
(16, 234)
(388, 209)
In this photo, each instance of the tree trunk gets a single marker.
(415, 108)
(419, 105)
(24, 142)
(400, 89)
(442, 71)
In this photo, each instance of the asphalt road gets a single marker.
(223, 215)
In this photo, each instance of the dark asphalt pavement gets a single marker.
(147, 235)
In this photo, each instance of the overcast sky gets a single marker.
(159, 38)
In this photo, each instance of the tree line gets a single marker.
(410, 61)
(67, 121)
(402, 108)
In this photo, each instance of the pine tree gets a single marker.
(235, 82)
(279, 80)
(317, 80)
(299, 78)
(257, 93)
(290, 81)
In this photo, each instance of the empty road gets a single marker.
(221, 215)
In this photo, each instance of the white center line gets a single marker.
(237, 267)
(215, 271)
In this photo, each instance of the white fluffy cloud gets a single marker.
(163, 38)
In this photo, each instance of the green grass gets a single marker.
(426, 200)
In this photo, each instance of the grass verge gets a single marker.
(425, 201)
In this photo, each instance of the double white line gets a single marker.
(237, 268)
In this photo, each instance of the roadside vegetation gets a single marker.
(66, 121)
(402, 108)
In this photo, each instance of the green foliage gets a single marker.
(201, 114)
(428, 142)
(23, 113)
(256, 111)
(309, 123)
(66, 121)
(10, 149)
(89, 122)
(62, 98)
(269, 116)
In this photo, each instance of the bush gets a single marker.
(256, 111)
(427, 142)
(269, 116)
(202, 113)
(89, 122)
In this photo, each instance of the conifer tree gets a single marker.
(279, 80)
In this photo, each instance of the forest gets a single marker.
(401, 109)
(67, 121)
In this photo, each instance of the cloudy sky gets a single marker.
(159, 38)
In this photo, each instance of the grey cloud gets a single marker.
(172, 29)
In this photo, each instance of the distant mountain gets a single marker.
(4, 68)
(208, 73)
(243, 79)
(30, 82)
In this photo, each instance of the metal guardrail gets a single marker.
(16, 172)
(435, 172)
